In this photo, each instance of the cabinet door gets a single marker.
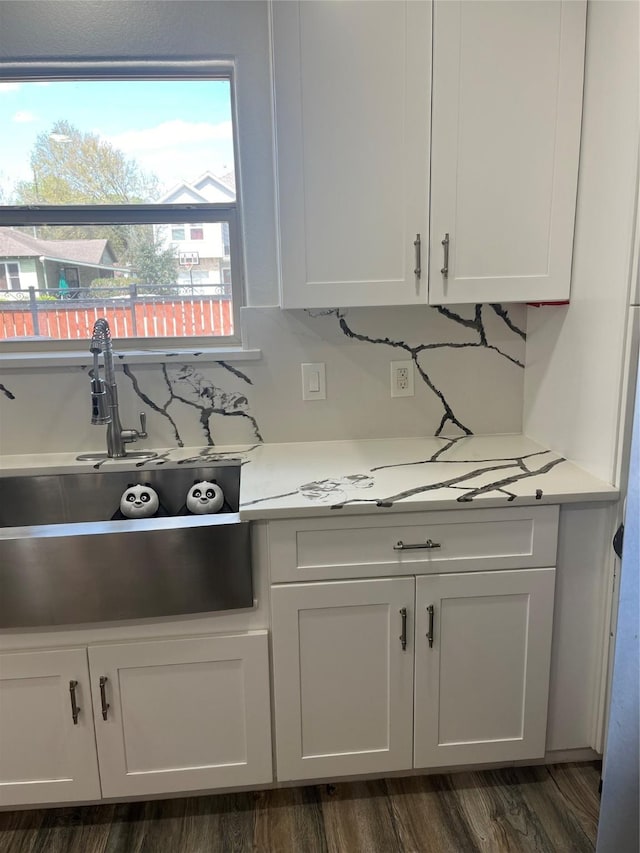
(507, 103)
(352, 94)
(183, 714)
(44, 756)
(482, 688)
(343, 684)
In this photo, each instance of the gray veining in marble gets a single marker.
(473, 483)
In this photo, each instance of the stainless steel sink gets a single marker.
(64, 561)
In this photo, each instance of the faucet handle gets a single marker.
(143, 425)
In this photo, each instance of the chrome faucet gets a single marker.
(104, 401)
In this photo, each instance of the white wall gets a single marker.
(576, 355)
(74, 30)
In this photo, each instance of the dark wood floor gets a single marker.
(543, 809)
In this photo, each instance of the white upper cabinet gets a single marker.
(352, 100)
(507, 102)
(357, 148)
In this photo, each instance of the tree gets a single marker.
(4, 194)
(73, 167)
(152, 262)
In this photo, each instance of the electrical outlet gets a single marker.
(402, 379)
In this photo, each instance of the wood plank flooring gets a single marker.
(549, 809)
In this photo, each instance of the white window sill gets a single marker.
(17, 360)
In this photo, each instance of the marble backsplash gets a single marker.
(469, 379)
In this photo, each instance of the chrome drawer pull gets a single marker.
(416, 245)
(75, 711)
(445, 244)
(429, 545)
(430, 611)
(103, 696)
(403, 635)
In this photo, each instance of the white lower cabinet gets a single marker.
(183, 715)
(167, 716)
(344, 685)
(482, 681)
(47, 748)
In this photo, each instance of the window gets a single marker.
(108, 182)
(9, 276)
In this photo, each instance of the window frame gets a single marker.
(188, 214)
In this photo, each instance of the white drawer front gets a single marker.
(368, 545)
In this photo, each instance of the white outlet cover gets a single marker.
(396, 389)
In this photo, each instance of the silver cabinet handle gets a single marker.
(445, 268)
(429, 545)
(430, 611)
(75, 710)
(403, 635)
(417, 246)
(103, 696)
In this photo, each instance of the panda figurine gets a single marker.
(204, 498)
(139, 500)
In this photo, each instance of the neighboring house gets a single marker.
(27, 261)
(207, 244)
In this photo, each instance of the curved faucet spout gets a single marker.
(104, 397)
(100, 337)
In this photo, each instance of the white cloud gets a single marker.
(9, 87)
(23, 117)
(169, 134)
(177, 150)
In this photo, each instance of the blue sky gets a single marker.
(175, 128)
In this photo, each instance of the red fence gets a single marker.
(145, 318)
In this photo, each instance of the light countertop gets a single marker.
(322, 478)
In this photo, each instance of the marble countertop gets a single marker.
(322, 478)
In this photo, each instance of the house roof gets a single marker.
(83, 251)
(205, 188)
(183, 193)
(16, 244)
(228, 179)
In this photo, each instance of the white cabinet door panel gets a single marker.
(184, 714)
(342, 681)
(507, 99)
(352, 92)
(44, 756)
(481, 690)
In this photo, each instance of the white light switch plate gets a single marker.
(314, 385)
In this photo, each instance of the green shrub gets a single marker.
(107, 287)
